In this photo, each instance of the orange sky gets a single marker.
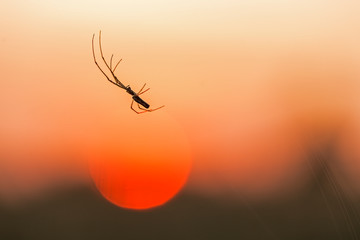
(247, 82)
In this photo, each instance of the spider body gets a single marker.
(142, 105)
(136, 97)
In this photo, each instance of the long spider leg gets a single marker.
(111, 60)
(93, 51)
(149, 110)
(117, 65)
(107, 65)
(143, 91)
(154, 109)
(113, 70)
(131, 106)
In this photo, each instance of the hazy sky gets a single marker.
(246, 84)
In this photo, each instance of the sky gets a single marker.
(249, 87)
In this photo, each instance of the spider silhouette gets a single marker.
(142, 105)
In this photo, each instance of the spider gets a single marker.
(142, 105)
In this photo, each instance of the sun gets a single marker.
(143, 169)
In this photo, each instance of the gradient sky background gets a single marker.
(249, 88)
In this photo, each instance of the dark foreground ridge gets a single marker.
(83, 214)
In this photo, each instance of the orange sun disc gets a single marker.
(143, 165)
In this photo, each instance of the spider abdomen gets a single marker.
(140, 101)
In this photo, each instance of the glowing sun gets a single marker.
(143, 165)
